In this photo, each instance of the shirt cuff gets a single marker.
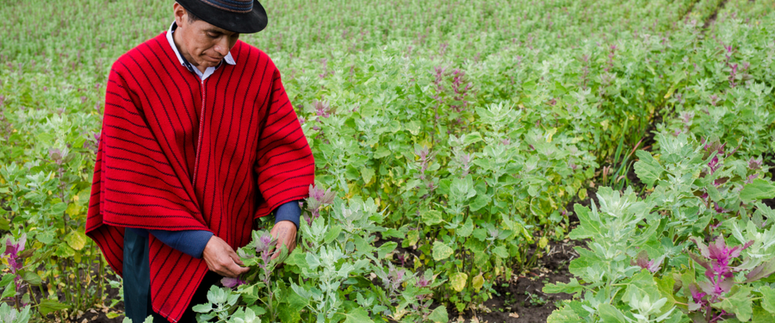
(289, 211)
(190, 242)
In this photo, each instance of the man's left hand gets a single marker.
(285, 234)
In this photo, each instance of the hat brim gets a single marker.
(243, 23)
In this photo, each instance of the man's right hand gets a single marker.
(222, 259)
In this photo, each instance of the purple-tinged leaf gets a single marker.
(643, 262)
(232, 282)
(701, 261)
(762, 271)
(697, 294)
(703, 248)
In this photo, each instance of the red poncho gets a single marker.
(177, 153)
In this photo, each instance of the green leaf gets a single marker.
(10, 291)
(472, 138)
(203, 308)
(352, 173)
(59, 209)
(431, 217)
(296, 301)
(312, 261)
(713, 192)
(768, 298)
(31, 278)
(647, 168)
(479, 202)
(290, 309)
(738, 302)
(582, 194)
(564, 315)
(48, 306)
(258, 310)
(608, 313)
(441, 251)
(332, 234)
(501, 252)
(73, 210)
(481, 234)
(477, 282)
(386, 248)
(414, 127)
(289, 316)
(466, 229)
(411, 239)
(64, 251)
(46, 236)
(296, 258)
(458, 281)
(357, 315)
(762, 316)
(367, 174)
(758, 190)
(543, 242)
(439, 315)
(394, 126)
(642, 284)
(588, 224)
(570, 288)
(665, 286)
(76, 239)
(7, 279)
(382, 152)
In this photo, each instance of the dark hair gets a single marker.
(191, 16)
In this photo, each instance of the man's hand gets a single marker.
(222, 259)
(285, 234)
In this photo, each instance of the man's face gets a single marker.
(202, 44)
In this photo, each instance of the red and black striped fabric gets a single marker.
(177, 153)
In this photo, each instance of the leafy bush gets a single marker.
(645, 257)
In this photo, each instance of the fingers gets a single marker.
(228, 268)
(288, 243)
(222, 259)
(235, 270)
(276, 253)
(236, 259)
(232, 263)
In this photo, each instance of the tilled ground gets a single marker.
(522, 299)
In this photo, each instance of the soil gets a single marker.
(712, 18)
(769, 160)
(522, 299)
(98, 314)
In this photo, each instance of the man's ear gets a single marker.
(180, 14)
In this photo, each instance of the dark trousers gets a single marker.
(137, 283)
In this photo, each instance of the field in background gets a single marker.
(456, 145)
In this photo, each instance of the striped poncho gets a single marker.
(177, 153)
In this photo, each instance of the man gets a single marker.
(198, 140)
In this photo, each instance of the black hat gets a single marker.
(239, 16)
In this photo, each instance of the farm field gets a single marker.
(476, 161)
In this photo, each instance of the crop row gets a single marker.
(449, 140)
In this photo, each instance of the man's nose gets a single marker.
(222, 46)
